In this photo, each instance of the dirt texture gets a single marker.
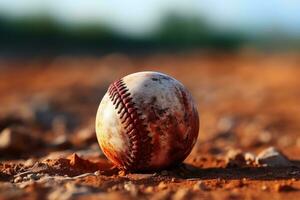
(248, 145)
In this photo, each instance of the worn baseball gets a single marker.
(147, 121)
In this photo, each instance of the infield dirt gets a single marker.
(247, 102)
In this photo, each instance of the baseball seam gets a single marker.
(140, 143)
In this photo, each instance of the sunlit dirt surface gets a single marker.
(247, 101)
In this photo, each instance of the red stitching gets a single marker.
(140, 148)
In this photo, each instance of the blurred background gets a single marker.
(239, 59)
(51, 27)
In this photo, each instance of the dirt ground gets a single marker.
(247, 102)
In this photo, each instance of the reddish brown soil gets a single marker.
(247, 101)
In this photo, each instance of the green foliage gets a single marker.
(44, 35)
(192, 32)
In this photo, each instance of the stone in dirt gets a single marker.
(236, 158)
(272, 157)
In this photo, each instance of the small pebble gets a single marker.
(271, 157)
(97, 173)
(18, 179)
(33, 176)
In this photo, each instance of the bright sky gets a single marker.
(138, 17)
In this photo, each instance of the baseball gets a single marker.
(147, 121)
